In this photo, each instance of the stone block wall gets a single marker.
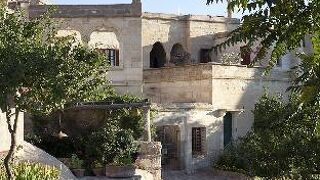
(71, 11)
(181, 84)
(192, 32)
(149, 158)
(121, 20)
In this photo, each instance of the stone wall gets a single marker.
(149, 158)
(122, 21)
(187, 116)
(74, 11)
(192, 32)
(200, 95)
(221, 85)
(186, 84)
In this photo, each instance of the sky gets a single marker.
(196, 7)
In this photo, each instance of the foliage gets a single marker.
(230, 58)
(110, 143)
(26, 171)
(40, 72)
(123, 160)
(76, 163)
(275, 24)
(284, 141)
(307, 82)
(49, 71)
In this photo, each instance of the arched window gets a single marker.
(108, 43)
(157, 56)
(178, 55)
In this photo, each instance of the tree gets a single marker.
(40, 72)
(283, 144)
(280, 25)
(307, 82)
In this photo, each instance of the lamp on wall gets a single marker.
(222, 112)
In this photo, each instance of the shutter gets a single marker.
(203, 140)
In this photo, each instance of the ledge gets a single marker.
(189, 17)
(76, 11)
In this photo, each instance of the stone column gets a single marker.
(146, 114)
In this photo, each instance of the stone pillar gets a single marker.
(146, 114)
(149, 158)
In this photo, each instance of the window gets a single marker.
(205, 55)
(112, 56)
(245, 55)
(198, 140)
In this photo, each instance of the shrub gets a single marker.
(110, 139)
(110, 143)
(34, 171)
(76, 163)
(284, 141)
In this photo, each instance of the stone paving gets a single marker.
(200, 175)
(180, 175)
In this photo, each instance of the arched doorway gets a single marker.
(157, 56)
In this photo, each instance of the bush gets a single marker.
(31, 171)
(110, 139)
(109, 144)
(284, 141)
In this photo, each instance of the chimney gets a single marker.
(136, 1)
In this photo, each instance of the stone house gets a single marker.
(203, 102)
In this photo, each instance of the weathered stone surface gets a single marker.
(5, 140)
(149, 158)
(73, 11)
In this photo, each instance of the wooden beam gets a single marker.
(109, 106)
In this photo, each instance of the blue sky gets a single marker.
(198, 7)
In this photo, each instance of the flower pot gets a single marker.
(78, 172)
(99, 171)
(114, 171)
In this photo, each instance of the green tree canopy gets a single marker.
(280, 25)
(40, 72)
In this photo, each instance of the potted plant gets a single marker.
(77, 166)
(98, 169)
(121, 168)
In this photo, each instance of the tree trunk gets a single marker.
(13, 131)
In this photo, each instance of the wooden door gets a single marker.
(169, 138)
(227, 128)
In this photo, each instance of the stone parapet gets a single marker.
(211, 71)
(202, 18)
(76, 11)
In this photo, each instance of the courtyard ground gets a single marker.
(199, 175)
(179, 175)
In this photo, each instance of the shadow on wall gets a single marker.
(181, 49)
